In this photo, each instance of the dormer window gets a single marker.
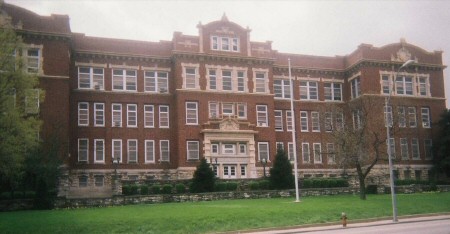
(225, 43)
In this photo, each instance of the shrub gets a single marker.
(254, 186)
(134, 189)
(232, 186)
(144, 189)
(264, 185)
(221, 186)
(324, 183)
(167, 189)
(281, 176)
(180, 188)
(372, 189)
(126, 189)
(307, 183)
(156, 189)
(204, 178)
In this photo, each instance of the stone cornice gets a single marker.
(222, 58)
(44, 35)
(117, 56)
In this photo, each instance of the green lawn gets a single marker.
(218, 216)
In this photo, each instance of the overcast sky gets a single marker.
(325, 28)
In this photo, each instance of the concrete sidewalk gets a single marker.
(351, 224)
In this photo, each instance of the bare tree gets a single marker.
(361, 142)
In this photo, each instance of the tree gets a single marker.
(359, 145)
(442, 146)
(19, 128)
(204, 178)
(281, 176)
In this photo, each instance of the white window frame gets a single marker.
(401, 85)
(116, 143)
(334, 90)
(228, 148)
(214, 110)
(191, 113)
(262, 116)
(391, 144)
(309, 90)
(304, 122)
(99, 114)
(426, 119)
(227, 80)
(162, 115)
(126, 77)
(131, 151)
(260, 83)
(278, 115)
(214, 148)
(412, 117)
(117, 112)
(132, 116)
(328, 121)
(306, 154)
(241, 81)
(317, 148)
(331, 153)
(149, 151)
(263, 153)
(30, 60)
(149, 116)
(99, 149)
(355, 85)
(229, 107)
(193, 84)
(242, 147)
(340, 123)
(388, 117)
(212, 79)
(404, 148)
(164, 150)
(222, 43)
(279, 145)
(282, 88)
(291, 151)
(315, 121)
(241, 113)
(401, 116)
(423, 83)
(156, 81)
(84, 150)
(83, 114)
(92, 79)
(289, 124)
(193, 150)
(415, 149)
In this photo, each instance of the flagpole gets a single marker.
(294, 140)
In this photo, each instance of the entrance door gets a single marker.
(229, 171)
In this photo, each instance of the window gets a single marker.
(392, 146)
(155, 81)
(149, 151)
(289, 121)
(423, 86)
(328, 121)
(32, 60)
(261, 113)
(90, 78)
(242, 148)
(331, 154)
(212, 79)
(191, 113)
(124, 80)
(227, 84)
(117, 115)
(190, 79)
(388, 119)
(260, 82)
(355, 85)
(99, 151)
(317, 152)
(304, 121)
(228, 109)
(99, 114)
(280, 145)
(426, 121)
(357, 119)
(412, 119)
(32, 97)
(305, 152)
(241, 81)
(415, 148)
(192, 150)
(213, 110)
(242, 110)
(282, 88)
(402, 117)
(243, 171)
(228, 148)
(149, 116)
(291, 151)
(131, 115)
(333, 91)
(308, 90)
(83, 150)
(132, 151)
(214, 148)
(229, 171)
(263, 151)
(164, 116)
(82, 181)
(404, 85)
(427, 143)
(386, 84)
(99, 180)
(83, 114)
(117, 150)
(404, 148)
(225, 43)
(339, 121)
(165, 150)
(278, 120)
(315, 121)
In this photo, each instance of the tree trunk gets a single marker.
(362, 184)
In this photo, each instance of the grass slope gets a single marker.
(218, 216)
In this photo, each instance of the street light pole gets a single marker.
(389, 123)
(294, 139)
(264, 161)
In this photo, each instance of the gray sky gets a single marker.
(325, 28)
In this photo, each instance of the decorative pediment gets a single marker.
(229, 124)
(402, 55)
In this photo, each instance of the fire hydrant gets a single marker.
(344, 219)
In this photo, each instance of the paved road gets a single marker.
(419, 225)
